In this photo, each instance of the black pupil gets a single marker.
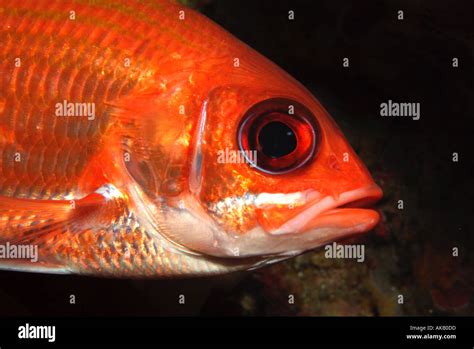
(277, 139)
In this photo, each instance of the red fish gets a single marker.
(138, 138)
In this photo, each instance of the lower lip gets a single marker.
(360, 219)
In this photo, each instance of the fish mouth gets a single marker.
(344, 215)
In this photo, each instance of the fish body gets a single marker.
(117, 119)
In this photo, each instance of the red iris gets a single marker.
(281, 133)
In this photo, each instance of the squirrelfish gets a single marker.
(138, 138)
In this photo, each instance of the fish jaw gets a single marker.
(324, 221)
(341, 213)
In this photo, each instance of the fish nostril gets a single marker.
(333, 163)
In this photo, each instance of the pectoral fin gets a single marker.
(40, 224)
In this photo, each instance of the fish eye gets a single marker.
(278, 135)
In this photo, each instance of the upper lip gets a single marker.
(361, 197)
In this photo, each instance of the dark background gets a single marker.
(410, 252)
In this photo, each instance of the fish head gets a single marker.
(271, 173)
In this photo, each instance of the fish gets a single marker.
(140, 139)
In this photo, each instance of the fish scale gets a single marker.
(24, 111)
(67, 67)
(74, 68)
